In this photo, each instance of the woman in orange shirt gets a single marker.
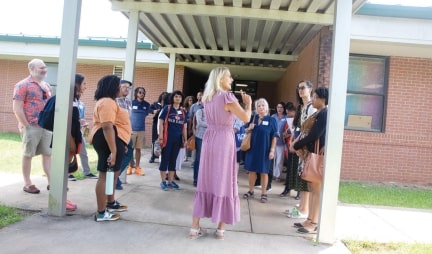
(110, 135)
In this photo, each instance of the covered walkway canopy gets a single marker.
(256, 39)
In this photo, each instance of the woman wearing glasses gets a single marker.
(304, 110)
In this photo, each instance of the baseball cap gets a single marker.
(125, 81)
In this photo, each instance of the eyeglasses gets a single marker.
(301, 87)
(125, 87)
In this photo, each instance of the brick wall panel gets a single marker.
(153, 79)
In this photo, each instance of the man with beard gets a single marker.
(29, 98)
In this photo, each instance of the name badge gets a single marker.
(179, 112)
(134, 107)
(265, 123)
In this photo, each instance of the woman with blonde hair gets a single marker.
(216, 195)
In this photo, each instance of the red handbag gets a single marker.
(165, 129)
(314, 165)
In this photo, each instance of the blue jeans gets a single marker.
(127, 156)
(198, 145)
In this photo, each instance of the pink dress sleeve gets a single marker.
(229, 98)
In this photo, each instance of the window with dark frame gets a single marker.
(366, 93)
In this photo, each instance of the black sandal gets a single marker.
(308, 231)
(263, 198)
(248, 195)
(301, 225)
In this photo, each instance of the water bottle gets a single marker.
(157, 149)
(109, 183)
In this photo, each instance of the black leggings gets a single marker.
(103, 151)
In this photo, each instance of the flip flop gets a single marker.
(31, 189)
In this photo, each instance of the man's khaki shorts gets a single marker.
(35, 140)
(138, 139)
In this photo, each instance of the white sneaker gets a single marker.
(107, 216)
(297, 216)
(257, 187)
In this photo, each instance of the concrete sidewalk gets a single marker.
(159, 221)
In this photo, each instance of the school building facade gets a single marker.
(387, 134)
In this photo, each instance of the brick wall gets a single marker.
(153, 79)
(325, 49)
(403, 152)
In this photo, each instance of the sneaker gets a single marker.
(116, 207)
(173, 185)
(91, 176)
(269, 189)
(257, 186)
(106, 216)
(129, 170)
(296, 214)
(164, 186)
(119, 186)
(71, 178)
(176, 177)
(300, 216)
(138, 171)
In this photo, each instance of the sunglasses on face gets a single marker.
(301, 87)
(141, 92)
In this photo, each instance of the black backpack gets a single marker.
(46, 116)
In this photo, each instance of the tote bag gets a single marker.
(191, 143)
(246, 142)
(314, 165)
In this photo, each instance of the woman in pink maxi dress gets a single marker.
(216, 196)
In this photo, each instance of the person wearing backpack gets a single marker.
(80, 87)
(29, 98)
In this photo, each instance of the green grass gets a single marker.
(385, 195)
(368, 247)
(11, 151)
(9, 215)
